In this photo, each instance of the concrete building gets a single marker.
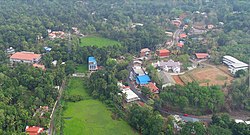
(25, 57)
(136, 71)
(130, 95)
(10, 51)
(170, 65)
(143, 80)
(145, 52)
(234, 64)
(92, 64)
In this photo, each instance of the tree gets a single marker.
(216, 130)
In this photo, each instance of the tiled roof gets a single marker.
(201, 55)
(145, 50)
(152, 87)
(25, 56)
(164, 51)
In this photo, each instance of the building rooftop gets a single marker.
(163, 51)
(169, 63)
(247, 122)
(142, 80)
(25, 56)
(235, 62)
(237, 65)
(145, 50)
(138, 70)
(152, 87)
(39, 66)
(239, 121)
(91, 59)
(183, 35)
(130, 94)
(33, 130)
(201, 55)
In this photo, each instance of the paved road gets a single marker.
(175, 38)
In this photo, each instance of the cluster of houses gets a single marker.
(234, 64)
(56, 34)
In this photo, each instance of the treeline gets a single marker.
(23, 90)
(193, 98)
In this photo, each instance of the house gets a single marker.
(166, 79)
(25, 57)
(239, 121)
(54, 63)
(47, 49)
(39, 66)
(56, 34)
(133, 25)
(210, 26)
(10, 51)
(176, 22)
(170, 65)
(201, 55)
(163, 53)
(145, 52)
(169, 34)
(92, 64)
(180, 44)
(136, 71)
(152, 87)
(143, 80)
(137, 63)
(234, 64)
(34, 130)
(183, 35)
(130, 95)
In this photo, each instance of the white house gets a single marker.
(136, 71)
(170, 65)
(234, 64)
(130, 95)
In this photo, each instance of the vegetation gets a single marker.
(194, 97)
(97, 41)
(89, 116)
(22, 93)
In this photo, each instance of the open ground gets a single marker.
(210, 75)
(97, 41)
(90, 116)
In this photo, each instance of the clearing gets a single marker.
(97, 41)
(90, 116)
(207, 76)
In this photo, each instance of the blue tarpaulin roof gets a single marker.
(91, 59)
(142, 80)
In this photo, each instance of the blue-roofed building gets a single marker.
(47, 49)
(92, 64)
(143, 80)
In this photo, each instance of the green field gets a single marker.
(97, 41)
(82, 68)
(90, 117)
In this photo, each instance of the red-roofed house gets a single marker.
(152, 87)
(180, 44)
(163, 53)
(33, 130)
(183, 35)
(201, 55)
(25, 57)
(39, 66)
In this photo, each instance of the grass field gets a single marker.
(89, 116)
(82, 68)
(207, 75)
(97, 41)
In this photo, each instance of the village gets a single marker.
(151, 71)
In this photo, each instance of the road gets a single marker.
(175, 38)
(51, 125)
